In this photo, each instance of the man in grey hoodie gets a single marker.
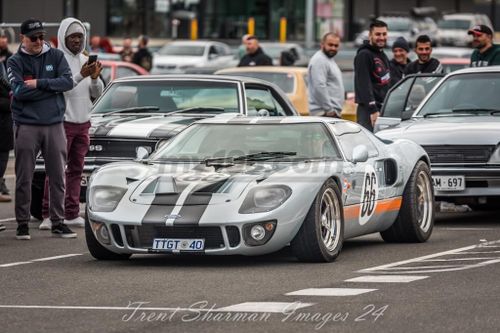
(71, 39)
(38, 75)
(325, 88)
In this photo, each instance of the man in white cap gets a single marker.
(86, 85)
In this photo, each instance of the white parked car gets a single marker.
(178, 56)
(453, 28)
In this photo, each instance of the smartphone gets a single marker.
(92, 59)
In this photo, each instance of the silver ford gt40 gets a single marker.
(250, 186)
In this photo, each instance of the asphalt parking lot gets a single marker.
(447, 284)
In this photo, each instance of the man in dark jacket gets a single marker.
(486, 53)
(425, 63)
(255, 56)
(143, 57)
(398, 63)
(372, 77)
(38, 75)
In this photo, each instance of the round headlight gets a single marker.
(258, 232)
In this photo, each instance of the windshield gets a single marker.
(182, 50)
(202, 141)
(465, 93)
(285, 81)
(169, 96)
(454, 24)
(397, 24)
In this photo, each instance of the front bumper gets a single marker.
(220, 238)
(479, 181)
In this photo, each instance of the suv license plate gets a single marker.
(448, 183)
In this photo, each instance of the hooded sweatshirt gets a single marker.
(78, 100)
(43, 105)
(372, 76)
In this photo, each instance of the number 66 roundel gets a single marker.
(369, 195)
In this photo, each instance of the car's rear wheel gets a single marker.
(321, 236)
(96, 249)
(416, 216)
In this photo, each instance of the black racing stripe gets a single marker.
(193, 209)
(157, 214)
(165, 199)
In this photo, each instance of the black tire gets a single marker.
(314, 242)
(96, 249)
(415, 221)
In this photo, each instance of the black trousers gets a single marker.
(363, 117)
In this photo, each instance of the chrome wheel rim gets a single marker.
(424, 201)
(330, 220)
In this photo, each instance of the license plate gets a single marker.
(176, 244)
(85, 180)
(449, 183)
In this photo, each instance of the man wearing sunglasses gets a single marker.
(38, 75)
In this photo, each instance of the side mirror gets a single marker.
(141, 153)
(359, 154)
(383, 123)
(212, 56)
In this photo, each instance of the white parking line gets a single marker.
(330, 292)
(79, 307)
(40, 259)
(397, 267)
(271, 307)
(387, 278)
(10, 219)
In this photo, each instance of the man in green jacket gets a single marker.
(486, 53)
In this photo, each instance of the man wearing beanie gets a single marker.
(425, 63)
(400, 49)
(38, 75)
(486, 53)
(71, 39)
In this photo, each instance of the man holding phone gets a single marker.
(38, 75)
(86, 86)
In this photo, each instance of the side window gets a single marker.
(262, 99)
(402, 101)
(351, 135)
(212, 52)
(396, 100)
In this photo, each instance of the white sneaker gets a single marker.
(46, 224)
(76, 222)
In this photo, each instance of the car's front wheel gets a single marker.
(96, 249)
(416, 215)
(321, 235)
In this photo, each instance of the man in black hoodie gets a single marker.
(255, 56)
(425, 63)
(372, 75)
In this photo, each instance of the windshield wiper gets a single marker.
(203, 109)
(264, 155)
(479, 110)
(219, 161)
(459, 112)
(133, 109)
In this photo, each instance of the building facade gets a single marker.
(226, 19)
